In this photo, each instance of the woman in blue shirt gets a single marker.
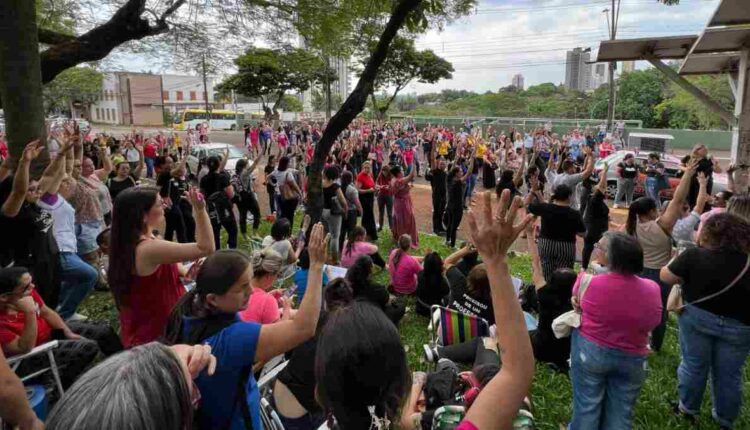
(208, 315)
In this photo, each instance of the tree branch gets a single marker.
(124, 26)
(51, 37)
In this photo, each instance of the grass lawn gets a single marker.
(551, 392)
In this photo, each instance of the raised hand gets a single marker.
(318, 245)
(195, 358)
(196, 199)
(31, 151)
(702, 180)
(494, 235)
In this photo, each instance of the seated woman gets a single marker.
(610, 349)
(208, 315)
(263, 307)
(278, 240)
(294, 389)
(303, 269)
(553, 300)
(26, 322)
(357, 245)
(432, 285)
(471, 294)
(358, 278)
(363, 377)
(152, 382)
(403, 267)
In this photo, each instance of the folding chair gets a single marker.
(454, 327)
(47, 349)
(268, 414)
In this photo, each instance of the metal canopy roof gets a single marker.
(652, 136)
(706, 64)
(731, 12)
(725, 39)
(634, 49)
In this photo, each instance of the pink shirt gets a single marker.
(358, 249)
(620, 311)
(404, 277)
(262, 308)
(466, 425)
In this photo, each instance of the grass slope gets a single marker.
(551, 392)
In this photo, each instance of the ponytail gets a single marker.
(183, 307)
(632, 222)
(404, 242)
(639, 207)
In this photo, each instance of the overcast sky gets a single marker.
(504, 37)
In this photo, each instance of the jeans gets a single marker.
(652, 190)
(470, 183)
(77, 280)
(149, 167)
(715, 344)
(606, 383)
(625, 188)
(657, 336)
(385, 206)
(334, 228)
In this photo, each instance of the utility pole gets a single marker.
(205, 90)
(612, 27)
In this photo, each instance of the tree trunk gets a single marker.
(352, 106)
(375, 109)
(20, 78)
(275, 108)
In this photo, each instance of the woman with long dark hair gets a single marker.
(208, 315)
(366, 187)
(432, 285)
(144, 271)
(654, 234)
(364, 288)
(245, 197)
(595, 217)
(353, 204)
(363, 377)
(454, 208)
(403, 209)
(357, 245)
(218, 191)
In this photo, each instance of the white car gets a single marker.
(199, 153)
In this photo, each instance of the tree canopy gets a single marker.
(79, 84)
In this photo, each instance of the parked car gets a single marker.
(671, 167)
(199, 153)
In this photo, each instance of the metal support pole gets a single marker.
(741, 129)
(692, 89)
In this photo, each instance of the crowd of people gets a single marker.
(199, 317)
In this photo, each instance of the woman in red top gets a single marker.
(144, 272)
(366, 186)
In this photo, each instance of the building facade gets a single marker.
(185, 92)
(577, 71)
(599, 75)
(628, 66)
(517, 81)
(107, 108)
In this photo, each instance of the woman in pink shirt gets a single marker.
(357, 245)
(403, 267)
(609, 351)
(262, 306)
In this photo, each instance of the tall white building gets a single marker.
(517, 81)
(577, 71)
(341, 87)
(599, 76)
(628, 66)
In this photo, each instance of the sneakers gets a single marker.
(77, 317)
(677, 411)
(430, 354)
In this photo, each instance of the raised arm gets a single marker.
(15, 200)
(602, 185)
(518, 176)
(588, 166)
(493, 234)
(51, 184)
(672, 214)
(454, 258)
(106, 169)
(284, 335)
(256, 162)
(731, 186)
(225, 158)
(470, 167)
(537, 276)
(700, 203)
(14, 408)
(141, 162)
(152, 253)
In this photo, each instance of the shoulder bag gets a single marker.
(563, 325)
(287, 192)
(676, 304)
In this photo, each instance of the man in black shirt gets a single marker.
(438, 179)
